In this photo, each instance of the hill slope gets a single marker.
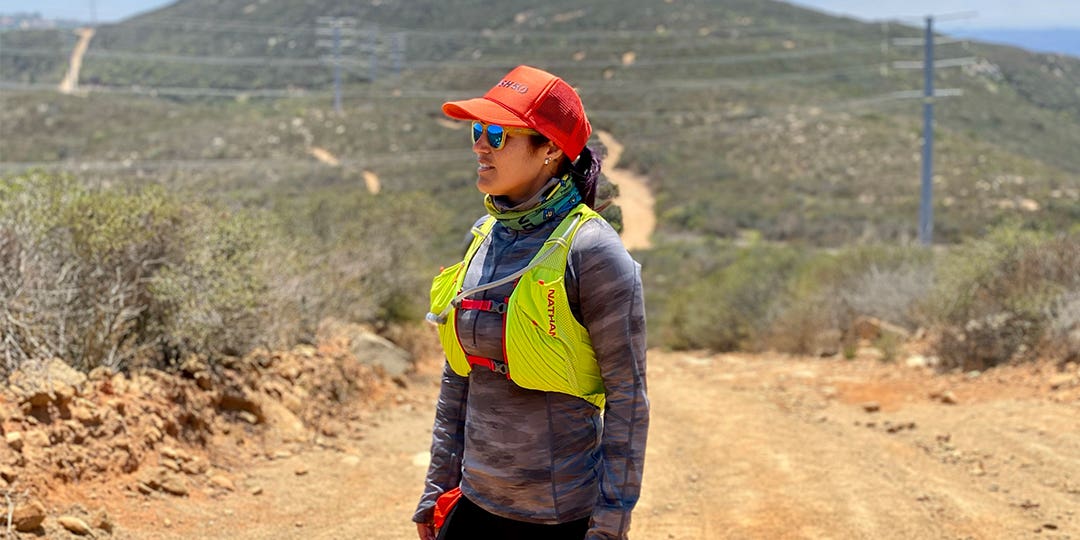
(745, 114)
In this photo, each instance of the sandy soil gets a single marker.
(741, 447)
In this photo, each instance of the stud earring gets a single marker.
(547, 160)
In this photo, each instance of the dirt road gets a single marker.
(635, 198)
(740, 447)
(70, 83)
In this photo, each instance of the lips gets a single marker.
(484, 167)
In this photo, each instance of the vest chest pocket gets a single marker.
(542, 353)
(444, 287)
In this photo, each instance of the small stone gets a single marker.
(194, 466)
(1059, 382)
(168, 523)
(871, 406)
(14, 440)
(257, 490)
(977, 469)
(74, 525)
(945, 396)
(28, 517)
(301, 470)
(1050, 526)
(8, 474)
(223, 482)
(917, 361)
(101, 520)
(85, 416)
(174, 486)
(38, 439)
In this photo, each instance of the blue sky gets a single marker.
(990, 13)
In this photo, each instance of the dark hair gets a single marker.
(585, 170)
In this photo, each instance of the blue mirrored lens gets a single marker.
(477, 131)
(495, 136)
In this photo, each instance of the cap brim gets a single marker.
(484, 110)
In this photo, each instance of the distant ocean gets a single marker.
(1046, 40)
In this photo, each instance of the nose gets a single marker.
(482, 146)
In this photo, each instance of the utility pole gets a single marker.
(926, 199)
(399, 52)
(373, 53)
(340, 29)
(928, 96)
(337, 69)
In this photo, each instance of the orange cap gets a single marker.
(532, 98)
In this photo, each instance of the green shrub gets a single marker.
(830, 289)
(728, 308)
(215, 296)
(109, 277)
(996, 297)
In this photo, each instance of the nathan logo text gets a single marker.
(551, 312)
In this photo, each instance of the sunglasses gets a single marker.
(496, 134)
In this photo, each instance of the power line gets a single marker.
(597, 85)
(770, 27)
(176, 91)
(180, 59)
(213, 164)
(727, 59)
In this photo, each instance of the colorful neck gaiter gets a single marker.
(557, 198)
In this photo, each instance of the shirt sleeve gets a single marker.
(447, 443)
(610, 300)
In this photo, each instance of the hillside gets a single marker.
(770, 137)
(739, 111)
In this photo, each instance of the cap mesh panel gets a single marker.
(559, 110)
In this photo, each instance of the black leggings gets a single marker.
(470, 522)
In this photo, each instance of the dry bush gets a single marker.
(999, 299)
(831, 290)
(1062, 339)
(889, 294)
(106, 277)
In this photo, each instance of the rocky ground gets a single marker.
(312, 443)
(76, 443)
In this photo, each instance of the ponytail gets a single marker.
(586, 173)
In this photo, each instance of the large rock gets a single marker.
(368, 347)
(42, 383)
(872, 329)
(286, 425)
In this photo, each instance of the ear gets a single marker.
(552, 152)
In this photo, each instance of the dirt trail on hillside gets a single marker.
(70, 83)
(740, 447)
(635, 198)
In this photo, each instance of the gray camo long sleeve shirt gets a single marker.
(546, 457)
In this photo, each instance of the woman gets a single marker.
(542, 414)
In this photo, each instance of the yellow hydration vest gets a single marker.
(545, 347)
